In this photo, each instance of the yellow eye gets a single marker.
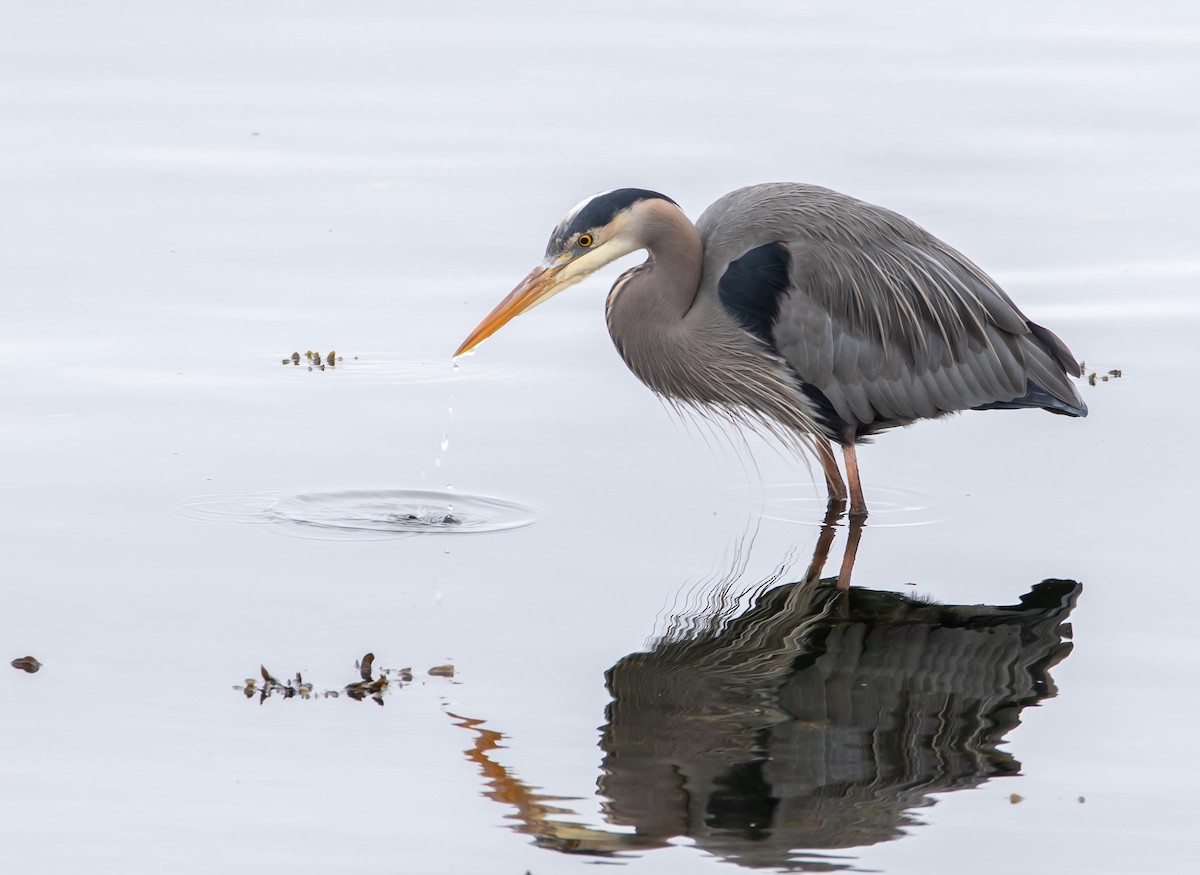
(585, 240)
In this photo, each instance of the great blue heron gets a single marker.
(803, 311)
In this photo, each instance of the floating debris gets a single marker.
(1096, 377)
(370, 684)
(1016, 798)
(26, 664)
(316, 361)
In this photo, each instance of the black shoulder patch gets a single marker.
(752, 285)
(597, 213)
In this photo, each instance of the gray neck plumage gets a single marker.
(692, 350)
(649, 303)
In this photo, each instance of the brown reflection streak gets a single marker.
(533, 812)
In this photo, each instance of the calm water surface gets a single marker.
(193, 192)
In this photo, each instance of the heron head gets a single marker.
(596, 232)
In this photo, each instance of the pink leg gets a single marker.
(858, 504)
(833, 477)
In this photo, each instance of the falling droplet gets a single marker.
(449, 487)
(437, 463)
(445, 442)
(455, 369)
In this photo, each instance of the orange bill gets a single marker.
(535, 288)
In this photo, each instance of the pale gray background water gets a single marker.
(192, 191)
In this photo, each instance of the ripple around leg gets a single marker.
(890, 506)
(363, 514)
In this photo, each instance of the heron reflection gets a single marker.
(818, 720)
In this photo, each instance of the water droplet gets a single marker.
(455, 368)
(450, 409)
(450, 487)
(445, 442)
(437, 463)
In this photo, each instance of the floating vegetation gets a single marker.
(31, 665)
(315, 360)
(371, 684)
(1096, 377)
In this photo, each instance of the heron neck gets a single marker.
(693, 350)
(651, 300)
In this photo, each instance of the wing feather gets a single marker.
(888, 322)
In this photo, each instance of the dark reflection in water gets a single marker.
(818, 720)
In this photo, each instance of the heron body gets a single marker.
(815, 316)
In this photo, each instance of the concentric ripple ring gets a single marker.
(364, 514)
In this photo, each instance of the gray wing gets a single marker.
(887, 323)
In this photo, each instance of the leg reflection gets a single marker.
(834, 513)
(825, 539)
(853, 537)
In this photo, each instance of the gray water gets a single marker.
(194, 191)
